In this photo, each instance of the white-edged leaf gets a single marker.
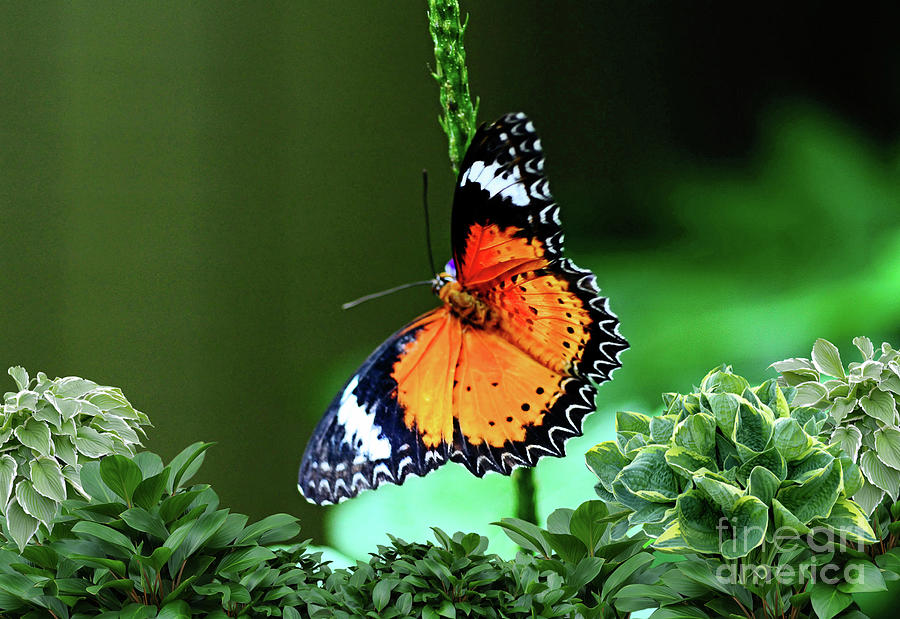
(850, 439)
(35, 435)
(47, 478)
(879, 474)
(21, 526)
(887, 443)
(809, 393)
(827, 359)
(879, 405)
(7, 476)
(867, 370)
(19, 375)
(34, 504)
(64, 449)
(864, 345)
(91, 443)
(868, 497)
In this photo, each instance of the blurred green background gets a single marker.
(189, 191)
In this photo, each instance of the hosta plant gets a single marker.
(862, 403)
(144, 544)
(48, 430)
(727, 467)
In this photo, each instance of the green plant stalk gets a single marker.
(523, 478)
(458, 113)
(458, 122)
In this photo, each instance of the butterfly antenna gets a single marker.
(384, 293)
(427, 221)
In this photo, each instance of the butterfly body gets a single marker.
(503, 371)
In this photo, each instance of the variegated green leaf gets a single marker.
(815, 497)
(725, 408)
(879, 405)
(34, 504)
(749, 518)
(853, 477)
(868, 497)
(697, 433)
(827, 359)
(649, 477)
(849, 438)
(879, 474)
(790, 439)
(724, 495)
(21, 526)
(47, 478)
(7, 477)
(606, 461)
(19, 375)
(887, 442)
(763, 484)
(841, 407)
(700, 522)
(34, 435)
(686, 463)
(848, 519)
(865, 347)
(809, 393)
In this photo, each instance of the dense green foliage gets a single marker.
(728, 455)
(50, 429)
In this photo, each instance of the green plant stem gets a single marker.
(523, 478)
(458, 113)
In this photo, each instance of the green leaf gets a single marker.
(790, 439)
(142, 520)
(887, 442)
(19, 375)
(253, 532)
(879, 405)
(7, 476)
(649, 477)
(625, 571)
(198, 532)
(103, 532)
(661, 429)
(156, 559)
(47, 478)
(763, 484)
(121, 475)
(725, 407)
(753, 429)
(749, 520)
(558, 521)
(853, 478)
(827, 600)
(148, 493)
(35, 504)
(525, 534)
(862, 577)
(627, 421)
(687, 463)
(686, 612)
(35, 435)
(849, 438)
(842, 407)
(697, 433)
(815, 497)
(879, 474)
(588, 524)
(244, 559)
(381, 594)
(21, 526)
(827, 359)
(177, 609)
(93, 484)
(113, 565)
(605, 460)
(699, 521)
(723, 494)
(186, 464)
(723, 380)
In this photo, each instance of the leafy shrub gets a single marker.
(862, 405)
(728, 454)
(50, 428)
(450, 579)
(605, 578)
(142, 543)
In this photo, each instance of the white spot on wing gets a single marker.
(360, 430)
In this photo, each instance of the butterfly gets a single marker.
(504, 371)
